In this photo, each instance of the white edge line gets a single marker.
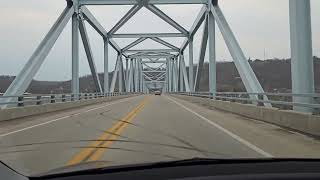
(238, 138)
(61, 118)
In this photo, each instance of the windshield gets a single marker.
(88, 84)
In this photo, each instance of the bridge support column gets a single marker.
(115, 75)
(212, 53)
(106, 65)
(127, 75)
(181, 85)
(167, 75)
(191, 78)
(120, 81)
(75, 88)
(170, 75)
(301, 52)
(175, 75)
(185, 74)
(136, 76)
(131, 76)
(141, 76)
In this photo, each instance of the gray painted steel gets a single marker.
(247, 75)
(203, 48)
(136, 77)
(191, 71)
(106, 65)
(24, 78)
(301, 52)
(88, 50)
(75, 82)
(212, 54)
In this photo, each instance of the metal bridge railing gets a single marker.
(282, 101)
(40, 99)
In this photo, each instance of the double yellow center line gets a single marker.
(97, 148)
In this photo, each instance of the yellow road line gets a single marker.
(97, 155)
(110, 134)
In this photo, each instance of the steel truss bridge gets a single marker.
(121, 123)
(171, 74)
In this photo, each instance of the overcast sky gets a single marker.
(257, 24)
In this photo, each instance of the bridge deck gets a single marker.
(144, 129)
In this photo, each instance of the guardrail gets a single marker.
(278, 100)
(40, 99)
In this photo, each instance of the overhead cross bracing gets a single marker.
(132, 72)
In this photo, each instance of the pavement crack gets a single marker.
(157, 132)
(94, 140)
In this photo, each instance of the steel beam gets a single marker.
(87, 48)
(202, 54)
(136, 76)
(141, 77)
(147, 35)
(24, 78)
(148, 77)
(150, 50)
(178, 1)
(165, 43)
(191, 76)
(153, 71)
(181, 87)
(161, 77)
(175, 75)
(155, 81)
(185, 74)
(115, 75)
(115, 46)
(106, 65)
(154, 62)
(126, 18)
(212, 54)
(120, 81)
(170, 74)
(98, 27)
(131, 76)
(136, 42)
(75, 82)
(166, 18)
(167, 76)
(133, 2)
(150, 56)
(302, 64)
(247, 75)
(196, 25)
(107, 2)
(127, 75)
(93, 21)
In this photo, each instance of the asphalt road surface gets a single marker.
(142, 129)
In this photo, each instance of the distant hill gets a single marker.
(273, 74)
(54, 87)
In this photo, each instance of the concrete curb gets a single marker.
(19, 112)
(301, 122)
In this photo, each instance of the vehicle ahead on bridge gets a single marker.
(157, 93)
